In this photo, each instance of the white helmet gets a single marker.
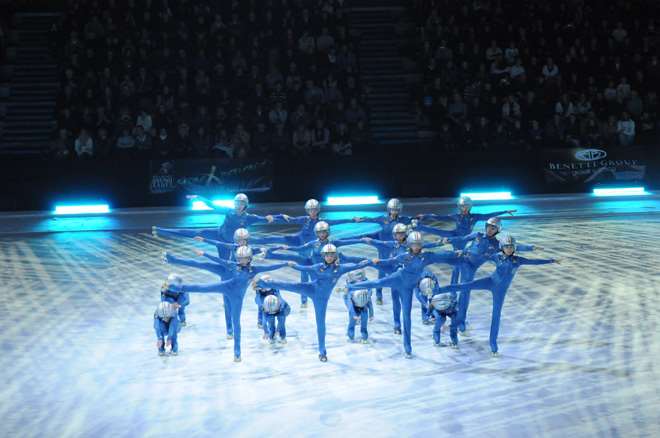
(507, 240)
(495, 222)
(243, 252)
(360, 297)
(174, 279)
(312, 205)
(356, 276)
(321, 226)
(427, 286)
(241, 235)
(442, 302)
(241, 200)
(414, 238)
(394, 205)
(271, 304)
(399, 228)
(329, 249)
(464, 201)
(165, 310)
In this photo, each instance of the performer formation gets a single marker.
(402, 265)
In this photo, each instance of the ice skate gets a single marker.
(303, 305)
(379, 301)
(237, 358)
(323, 358)
(230, 336)
(364, 341)
(282, 341)
(397, 331)
(408, 355)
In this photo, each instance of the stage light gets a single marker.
(620, 191)
(82, 209)
(488, 196)
(353, 200)
(200, 206)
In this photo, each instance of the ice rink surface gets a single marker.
(579, 348)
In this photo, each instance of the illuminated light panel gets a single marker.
(621, 191)
(200, 206)
(488, 196)
(353, 200)
(82, 209)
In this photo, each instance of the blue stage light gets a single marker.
(82, 209)
(620, 191)
(488, 196)
(353, 200)
(200, 206)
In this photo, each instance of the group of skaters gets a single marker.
(402, 264)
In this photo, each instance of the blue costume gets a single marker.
(274, 322)
(464, 224)
(182, 299)
(386, 223)
(238, 278)
(166, 326)
(356, 313)
(219, 270)
(498, 283)
(438, 306)
(427, 313)
(324, 278)
(404, 279)
(390, 248)
(480, 248)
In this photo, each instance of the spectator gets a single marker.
(201, 142)
(223, 146)
(241, 140)
(625, 127)
(278, 115)
(320, 136)
(261, 140)
(354, 113)
(341, 143)
(61, 148)
(302, 140)
(162, 144)
(125, 143)
(360, 136)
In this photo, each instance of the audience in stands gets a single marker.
(193, 79)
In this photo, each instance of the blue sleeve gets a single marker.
(351, 259)
(255, 219)
(448, 257)
(260, 269)
(348, 267)
(346, 242)
(349, 304)
(434, 231)
(279, 219)
(524, 261)
(406, 220)
(192, 263)
(338, 221)
(306, 268)
(267, 240)
(383, 243)
(226, 263)
(301, 260)
(392, 261)
(301, 248)
(421, 298)
(206, 288)
(463, 239)
(524, 247)
(438, 217)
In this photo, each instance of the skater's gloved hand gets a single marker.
(375, 261)
(199, 238)
(163, 257)
(291, 264)
(366, 239)
(510, 212)
(445, 241)
(286, 217)
(558, 261)
(414, 223)
(537, 248)
(357, 219)
(198, 252)
(364, 263)
(269, 218)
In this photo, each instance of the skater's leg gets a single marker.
(453, 329)
(228, 321)
(299, 288)
(467, 275)
(351, 327)
(320, 307)
(392, 280)
(270, 324)
(304, 278)
(236, 303)
(207, 233)
(396, 309)
(172, 332)
(498, 302)
(161, 331)
(364, 319)
(405, 294)
(281, 326)
(381, 274)
(437, 328)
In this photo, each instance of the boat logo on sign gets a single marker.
(590, 154)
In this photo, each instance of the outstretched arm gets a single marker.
(449, 257)
(391, 262)
(267, 240)
(349, 305)
(434, 231)
(213, 267)
(526, 247)
(304, 268)
(525, 261)
(226, 263)
(286, 219)
(351, 259)
(437, 217)
(217, 243)
(348, 267)
(462, 240)
(301, 260)
(260, 269)
(206, 288)
(210, 204)
(486, 216)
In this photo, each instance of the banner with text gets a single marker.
(594, 165)
(206, 177)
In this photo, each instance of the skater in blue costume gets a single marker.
(275, 310)
(424, 298)
(306, 233)
(239, 274)
(464, 220)
(440, 306)
(404, 279)
(387, 224)
(166, 325)
(479, 249)
(181, 299)
(507, 264)
(235, 218)
(242, 237)
(359, 306)
(324, 278)
(392, 248)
